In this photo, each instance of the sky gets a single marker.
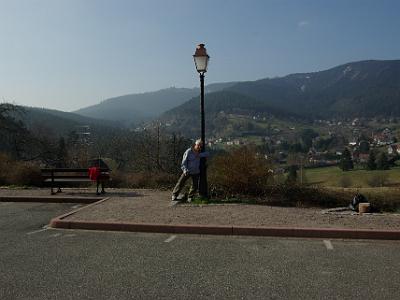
(69, 54)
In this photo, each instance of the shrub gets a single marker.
(299, 195)
(382, 161)
(150, 180)
(142, 180)
(382, 199)
(25, 174)
(240, 172)
(345, 181)
(378, 180)
(18, 173)
(118, 179)
(5, 165)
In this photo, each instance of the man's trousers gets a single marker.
(181, 183)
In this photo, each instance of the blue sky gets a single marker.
(68, 54)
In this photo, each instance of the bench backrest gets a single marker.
(68, 173)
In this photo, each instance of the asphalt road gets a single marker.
(37, 263)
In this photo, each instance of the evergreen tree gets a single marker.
(346, 162)
(371, 164)
(382, 162)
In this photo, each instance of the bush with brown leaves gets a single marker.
(240, 172)
(18, 173)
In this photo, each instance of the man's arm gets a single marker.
(204, 154)
(184, 165)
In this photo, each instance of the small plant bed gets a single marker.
(382, 200)
(216, 201)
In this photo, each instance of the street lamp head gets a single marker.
(201, 58)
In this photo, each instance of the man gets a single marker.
(191, 169)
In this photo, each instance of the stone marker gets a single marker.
(363, 208)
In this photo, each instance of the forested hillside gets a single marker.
(358, 89)
(219, 106)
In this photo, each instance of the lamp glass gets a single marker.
(201, 63)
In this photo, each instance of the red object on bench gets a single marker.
(94, 173)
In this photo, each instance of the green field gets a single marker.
(335, 177)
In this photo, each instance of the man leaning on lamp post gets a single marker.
(191, 168)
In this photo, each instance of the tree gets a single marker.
(292, 174)
(364, 147)
(346, 162)
(62, 154)
(296, 148)
(371, 164)
(14, 137)
(307, 135)
(382, 162)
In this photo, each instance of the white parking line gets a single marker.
(70, 235)
(55, 235)
(328, 244)
(37, 231)
(170, 239)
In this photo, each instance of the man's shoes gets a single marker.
(174, 198)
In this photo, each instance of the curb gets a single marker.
(49, 199)
(228, 230)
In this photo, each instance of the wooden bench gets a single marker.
(59, 176)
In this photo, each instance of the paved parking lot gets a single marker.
(40, 263)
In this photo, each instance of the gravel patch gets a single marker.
(154, 207)
(147, 206)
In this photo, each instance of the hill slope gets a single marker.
(365, 88)
(134, 108)
(59, 123)
(359, 89)
(218, 108)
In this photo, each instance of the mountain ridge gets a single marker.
(325, 92)
(135, 108)
(358, 89)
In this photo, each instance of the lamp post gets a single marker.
(201, 61)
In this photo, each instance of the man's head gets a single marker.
(197, 145)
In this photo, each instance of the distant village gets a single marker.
(356, 135)
(281, 141)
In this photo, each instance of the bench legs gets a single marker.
(97, 189)
(102, 187)
(52, 182)
(58, 190)
(52, 185)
